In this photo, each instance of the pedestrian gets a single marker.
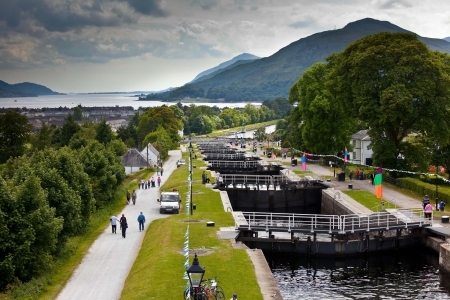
(134, 197)
(113, 220)
(128, 197)
(203, 177)
(149, 183)
(141, 220)
(123, 225)
(162, 170)
(350, 174)
(159, 181)
(361, 175)
(153, 181)
(441, 205)
(158, 171)
(234, 297)
(142, 183)
(428, 211)
(371, 178)
(425, 201)
(357, 174)
(139, 184)
(217, 177)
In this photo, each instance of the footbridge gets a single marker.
(393, 219)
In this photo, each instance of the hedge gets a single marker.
(422, 188)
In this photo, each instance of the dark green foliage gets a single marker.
(78, 113)
(280, 106)
(42, 139)
(68, 130)
(160, 116)
(14, 133)
(104, 132)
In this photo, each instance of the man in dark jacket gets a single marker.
(425, 201)
(141, 220)
(123, 225)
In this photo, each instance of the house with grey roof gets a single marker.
(361, 154)
(133, 161)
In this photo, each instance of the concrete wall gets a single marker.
(444, 258)
(332, 203)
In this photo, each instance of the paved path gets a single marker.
(104, 269)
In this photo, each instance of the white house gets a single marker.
(151, 154)
(361, 153)
(133, 161)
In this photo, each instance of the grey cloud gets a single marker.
(301, 24)
(56, 15)
(204, 4)
(396, 4)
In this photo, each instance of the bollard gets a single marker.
(444, 219)
(194, 207)
(350, 186)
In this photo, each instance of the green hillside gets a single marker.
(271, 77)
(26, 89)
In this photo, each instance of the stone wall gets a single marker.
(332, 203)
(444, 258)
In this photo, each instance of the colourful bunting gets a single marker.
(378, 183)
(345, 154)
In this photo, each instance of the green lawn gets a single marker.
(158, 270)
(367, 199)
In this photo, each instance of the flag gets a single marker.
(378, 183)
(345, 154)
(304, 161)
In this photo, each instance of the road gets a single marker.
(104, 269)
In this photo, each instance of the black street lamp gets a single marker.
(436, 167)
(334, 151)
(190, 175)
(195, 273)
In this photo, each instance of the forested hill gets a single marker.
(271, 77)
(25, 89)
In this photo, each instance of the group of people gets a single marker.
(132, 196)
(359, 175)
(428, 208)
(144, 184)
(205, 178)
(124, 224)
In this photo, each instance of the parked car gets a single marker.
(181, 162)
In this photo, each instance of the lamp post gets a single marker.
(436, 145)
(334, 151)
(195, 273)
(190, 174)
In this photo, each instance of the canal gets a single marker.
(406, 274)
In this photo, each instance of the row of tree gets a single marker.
(50, 191)
(388, 83)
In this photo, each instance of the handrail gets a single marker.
(393, 202)
(403, 218)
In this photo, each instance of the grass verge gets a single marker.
(366, 198)
(158, 270)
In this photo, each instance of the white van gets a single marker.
(170, 202)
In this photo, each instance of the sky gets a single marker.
(151, 45)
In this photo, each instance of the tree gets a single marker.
(327, 127)
(14, 133)
(103, 132)
(160, 116)
(68, 130)
(397, 85)
(161, 138)
(43, 138)
(78, 113)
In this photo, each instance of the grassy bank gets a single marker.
(158, 270)
(48, 285)
(230, 131)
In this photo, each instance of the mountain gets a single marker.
(273, 76)
(9, 94)
(243, 58)
(27, 89)
(447, 39)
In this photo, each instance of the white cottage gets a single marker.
(151, 154)
(361, 154)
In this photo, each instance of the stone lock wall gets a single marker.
(444, 258)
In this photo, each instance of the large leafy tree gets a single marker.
(397, 85)
(68, 130)
(104, 132)
(327, 127)
(14, 133)
(43, 138)
(160, 116)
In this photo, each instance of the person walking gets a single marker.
(357, 174)
(428, 211)
(153, 181)
(113, 220)
(442, 205)
(158, 171)
(134, 197)
(141, 220)
(162, 170)
(139, 185)
(425, 201)
(350, 175)
(128, 197)
(123, 225)
(159, 181)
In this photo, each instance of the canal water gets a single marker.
(406, 274)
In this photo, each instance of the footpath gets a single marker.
(104, 269)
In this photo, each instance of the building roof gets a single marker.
(133, 158)
(361, 135)
(150, 149)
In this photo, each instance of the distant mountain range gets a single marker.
(273, 76)
(235, 61)
(24, 89)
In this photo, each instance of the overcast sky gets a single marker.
(149, 45)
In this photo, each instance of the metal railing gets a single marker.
(345, 224)
(389, 205)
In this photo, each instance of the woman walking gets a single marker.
(123, 225)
